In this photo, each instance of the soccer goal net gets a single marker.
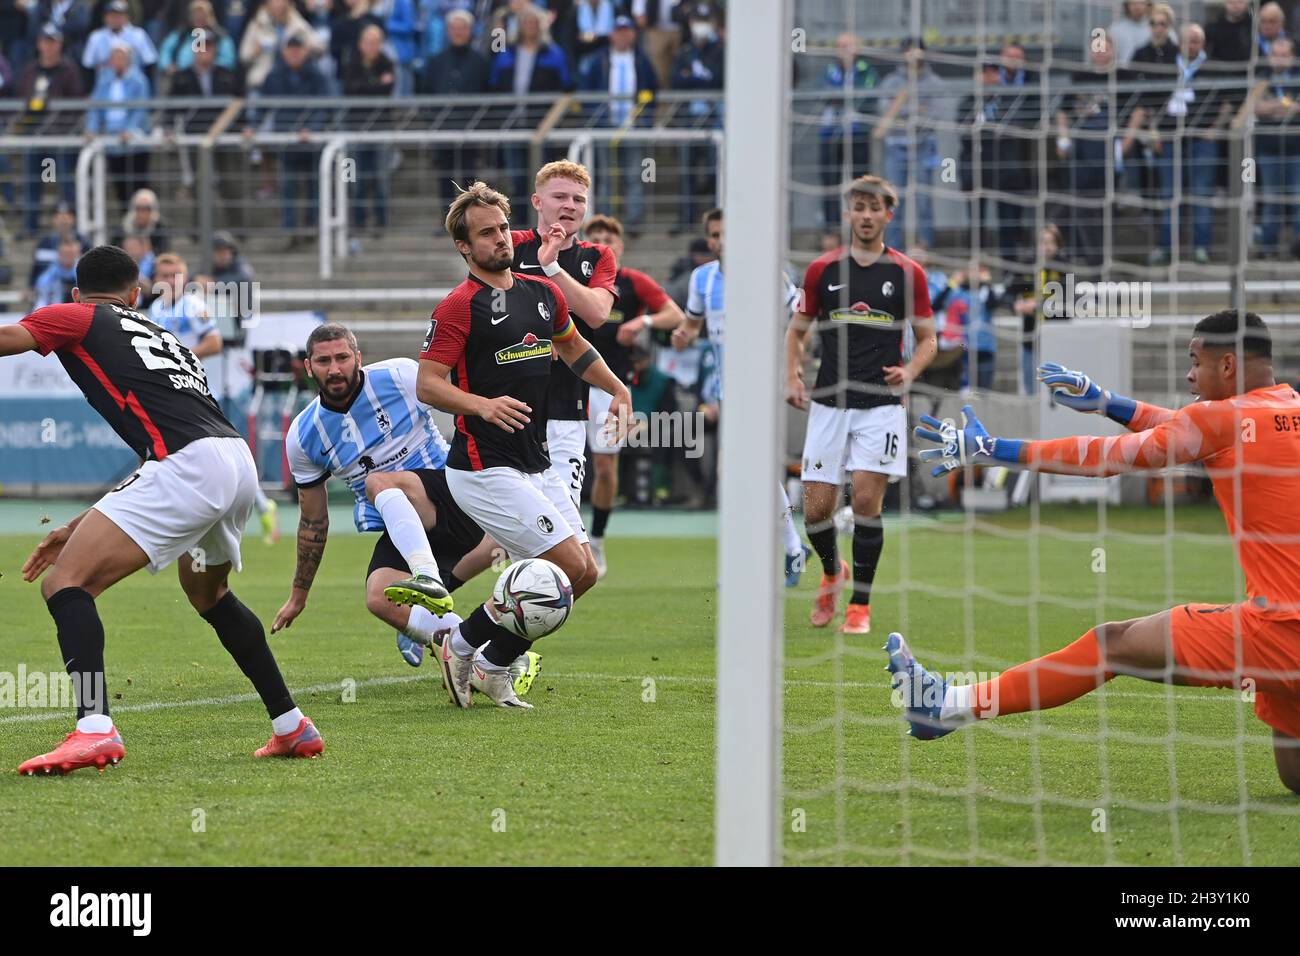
(1073, 189)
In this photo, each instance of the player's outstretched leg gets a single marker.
(917, 691)
(242, 635)
(389, 492)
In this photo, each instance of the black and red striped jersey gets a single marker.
(637, 295)
(591, 265)
(860, 313)
(146, 385)
(498, 342)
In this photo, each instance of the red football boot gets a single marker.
(78, 750)
(305, 741)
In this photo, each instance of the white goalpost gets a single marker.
(749, 588)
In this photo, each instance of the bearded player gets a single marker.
(584, 273)
(1245, 430)
(487, 360)
(642, 304)
(367, 429)
(860, 301)
(188, 503)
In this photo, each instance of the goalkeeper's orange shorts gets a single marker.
(1239, 645)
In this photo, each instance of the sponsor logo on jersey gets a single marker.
(530, 348)
(428, 336)
(861, 312)
(615, 316)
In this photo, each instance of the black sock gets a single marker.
(243, 636)
(599, 518)
(504, 647)
(478, 628)
(81, 639)
(451, 582)
(824, 544)
(868, 542)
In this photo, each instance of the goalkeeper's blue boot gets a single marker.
(794, 565)
(918, 691)
(412, 651)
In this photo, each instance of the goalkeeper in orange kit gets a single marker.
(1245, 430)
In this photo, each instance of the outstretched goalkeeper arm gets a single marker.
(1071, 389)
(1192, 433)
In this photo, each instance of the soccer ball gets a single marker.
(532, 598)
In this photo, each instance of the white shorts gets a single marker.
(598, 405)
(841, 440)
(566, 442)
(517, 509)
(197, 499)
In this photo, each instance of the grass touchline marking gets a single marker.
(576, 675)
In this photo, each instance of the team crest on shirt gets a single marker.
(887, 289)
(543, 311)
(586, 268)
(544, 524)
(531, 347)
(385, 423)
(861, 313)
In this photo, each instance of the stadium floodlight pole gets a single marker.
(749, 593)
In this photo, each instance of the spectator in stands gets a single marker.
(56, 283)
(232, 291)
(295, 75)
(678, 285)
(13, 32)
(1083, 143)
(1231, 37)
(118, 29)
(699, 66)
(346, 29)
(139, 249)
(1277, 145)
(595, 23)
(1272, 27)
(459, 70)
(661, 30)
(911, 92)
(205, 78)
(6, 88)
(144, 218)
(49, 76)
(63, 226)
(1028, 296)
(265, 35)
(1130, 32)
(205, 75)
(369, 72)
(1154, 64)
(845, 141)
(533, 64)
(1007, 162)
(227, 264)
(118, 83)
(181, 45)
(623, 71)
(72, 18)
(400, 26)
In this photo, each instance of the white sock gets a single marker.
(461, 647)
(407, 532)
(957, 703)
(486, 665)
(422, 623)
(287, 723)
(95, 724)
(793, 544)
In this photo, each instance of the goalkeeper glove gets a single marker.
(967, 445)
(1076, 390)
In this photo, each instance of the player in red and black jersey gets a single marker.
(487, 360)
(584, 273)
(193, 493)
(642, 304)
(860, 301)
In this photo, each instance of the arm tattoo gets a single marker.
(584, 361)
(311, 547)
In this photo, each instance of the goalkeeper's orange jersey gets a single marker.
(1250, 446)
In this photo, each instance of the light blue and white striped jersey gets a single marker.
(706, 298)
(187, 318)
(384, 429)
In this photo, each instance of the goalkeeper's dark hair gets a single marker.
(1231, 329)
(106, 269)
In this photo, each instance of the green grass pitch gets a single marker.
(613, 769)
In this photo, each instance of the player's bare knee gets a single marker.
(380, 481)
(203, 597)
(376, 603)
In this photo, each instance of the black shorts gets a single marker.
(454, 536)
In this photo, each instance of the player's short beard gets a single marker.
(353, 384)
(493, 264)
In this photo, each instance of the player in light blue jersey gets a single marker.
(186, 316)
(706, 307)
(367, 429)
